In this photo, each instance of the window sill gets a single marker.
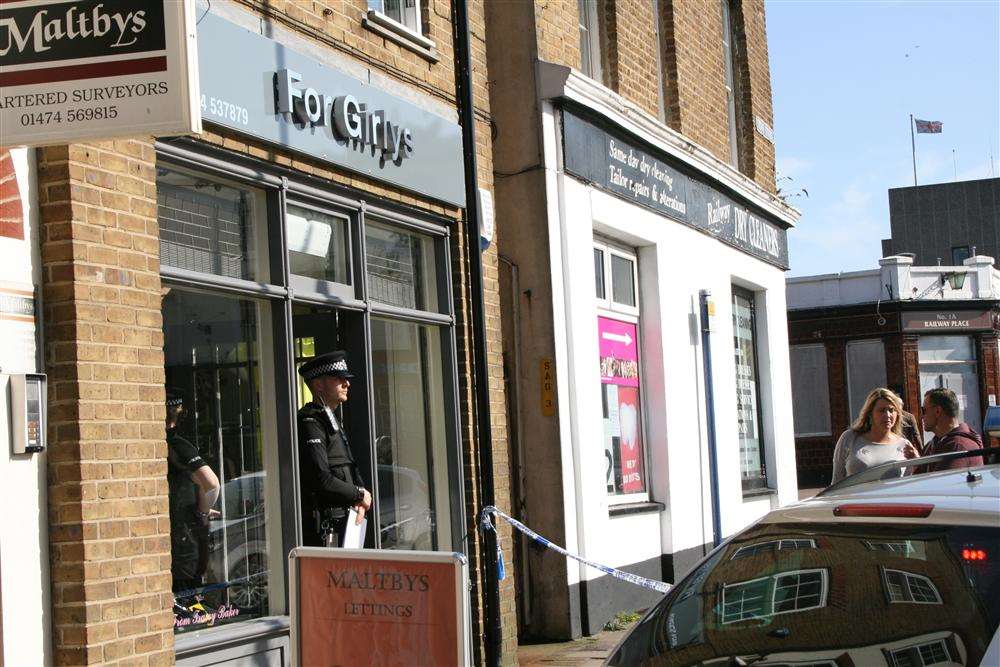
(625, 509)
(754, 494)
(198, 641)
(396, 32)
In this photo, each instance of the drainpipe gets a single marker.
(484, 441)
(707, 313)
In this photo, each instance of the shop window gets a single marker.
(908, 587)
(402, 268)
(810, 390)
(590, 40)
(865, 371)
(215, 362)
(318, 245)
(782, 593)
(748, 408)
(950, 362)
(403, 12)
(209, 225)
(618, 343)
(411, 435)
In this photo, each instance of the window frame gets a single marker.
(731, 81)
(317, 287)
(826, 388)
(751, 296)
(281, 186)
(856, 344)
(589, 21)
(608, 303)
(914, 652)
(611, 309)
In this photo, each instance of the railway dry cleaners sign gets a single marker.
(612, 161)
(95, 69)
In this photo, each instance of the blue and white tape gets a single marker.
(487, 524)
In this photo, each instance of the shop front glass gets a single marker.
(748, 409)
(232, 359)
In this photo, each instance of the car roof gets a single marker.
(956, 498)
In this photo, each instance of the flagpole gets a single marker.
(913, 145)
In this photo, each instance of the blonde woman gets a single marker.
(874, 438)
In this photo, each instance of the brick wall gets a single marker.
(11, 211)
(108, 513)
(633, 69)
(694, 68)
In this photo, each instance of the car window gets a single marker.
(831, 594)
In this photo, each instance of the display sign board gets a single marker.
(624, 168)
(618, 344)
(948, 320)
(95, 69)
(257, 86)
(379, 607)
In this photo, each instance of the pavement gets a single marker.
(590, 651)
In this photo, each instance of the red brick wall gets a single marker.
(11, 210)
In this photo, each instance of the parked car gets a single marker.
(898, 572)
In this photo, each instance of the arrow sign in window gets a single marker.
(624, 339)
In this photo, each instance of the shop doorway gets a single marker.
(950, 362)
(317, 330)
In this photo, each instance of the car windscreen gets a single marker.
(831, 595)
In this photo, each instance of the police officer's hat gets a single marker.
(331, 363)
(175, 399)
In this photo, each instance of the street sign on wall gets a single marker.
(96, 69)
(379, 607)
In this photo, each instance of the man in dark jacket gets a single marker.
(331, 483)
(911, 431)
(939, 414)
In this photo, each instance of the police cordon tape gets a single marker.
(486, 523)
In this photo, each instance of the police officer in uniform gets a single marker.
(194, 488)
(330, 481)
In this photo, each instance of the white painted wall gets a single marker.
(896, 278)
(24, 558)
(675, 262)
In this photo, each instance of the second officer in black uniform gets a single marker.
(330, 481)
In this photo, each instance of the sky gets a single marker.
(845, 77)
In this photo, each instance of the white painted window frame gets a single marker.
(608, 307)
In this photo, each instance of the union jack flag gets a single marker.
(928, 126)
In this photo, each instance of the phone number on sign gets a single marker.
(224, 109)
(70, 115)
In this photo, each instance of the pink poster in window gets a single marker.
(620, 379)
(630, 444)
(619, 358)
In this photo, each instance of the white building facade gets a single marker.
(661, 437)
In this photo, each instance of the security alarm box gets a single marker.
(27, 406)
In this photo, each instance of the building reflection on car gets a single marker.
(820, 584)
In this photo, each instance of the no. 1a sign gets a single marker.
(95, 69)
(374, 607)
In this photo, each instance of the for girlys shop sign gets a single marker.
(620, 397)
